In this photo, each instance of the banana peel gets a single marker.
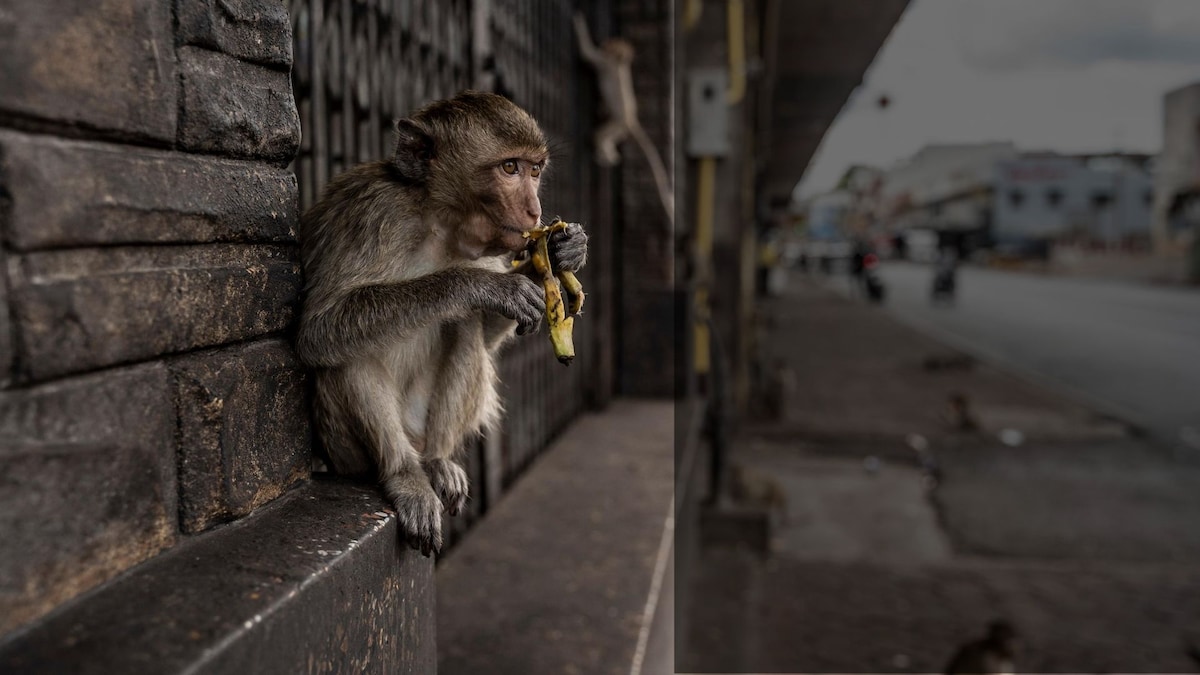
(559, 316)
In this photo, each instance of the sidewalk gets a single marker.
(570, 572)
(1084, 536)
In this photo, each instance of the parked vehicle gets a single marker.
(821, 254)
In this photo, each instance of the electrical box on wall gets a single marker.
(708, 112)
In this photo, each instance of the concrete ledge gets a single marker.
(567, 573)
(317, 581)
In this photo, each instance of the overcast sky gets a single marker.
(1066, 75)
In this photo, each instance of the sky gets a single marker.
(1062, 75)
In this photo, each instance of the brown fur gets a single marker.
(409, 296)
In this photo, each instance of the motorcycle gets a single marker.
(944, 282)
(871, 281)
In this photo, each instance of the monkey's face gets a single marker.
(509, 201)
(479, 158)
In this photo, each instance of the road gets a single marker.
(1131, 350)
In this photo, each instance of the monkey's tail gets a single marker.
(665, 192)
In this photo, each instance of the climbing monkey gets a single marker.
(613, 61)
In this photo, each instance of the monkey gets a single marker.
(958, 413)
(754, 488)
(410, 293)
(779, 385)
(991, 655)
(613, 61)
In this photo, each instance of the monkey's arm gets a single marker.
(371, 316)
(496, 327)
(568, 248)
(587, 48)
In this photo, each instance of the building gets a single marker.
(827, 215)
(1101, 200)
(863, 184)
(1177, 183)
(942, 187)
(984, 195)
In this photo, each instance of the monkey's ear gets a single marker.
(414, 151)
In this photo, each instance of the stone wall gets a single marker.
(148, 279)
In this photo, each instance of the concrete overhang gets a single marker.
(816, 54)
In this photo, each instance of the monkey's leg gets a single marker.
(463, 399)
(368, 391)
(336, 425)
(608, 137)
(497, 330)
(418, 509)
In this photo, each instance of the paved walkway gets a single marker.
(558, 578)
(1086, 537)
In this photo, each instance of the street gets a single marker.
(1132, 350)
(897, 533)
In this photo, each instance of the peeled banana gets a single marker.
(561, 321)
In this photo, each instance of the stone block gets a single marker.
(87, 485)
(318, 583)
(69, 193)
(238, 109)
(104, 64)
(259, 31)
(6, 345)
(244, 434)
(83, 309)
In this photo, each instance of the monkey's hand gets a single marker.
(568, 248)
(516, 297)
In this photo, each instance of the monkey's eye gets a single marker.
(509, 166)
(535, 170)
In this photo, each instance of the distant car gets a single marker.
(920, 245)
(793, 251)
(825, 252)
(1022, 249)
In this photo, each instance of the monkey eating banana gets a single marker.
(561, 322)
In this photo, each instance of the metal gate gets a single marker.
(361, 64)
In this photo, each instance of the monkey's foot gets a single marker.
(450, 482)
(606, 157)
(418, 510)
